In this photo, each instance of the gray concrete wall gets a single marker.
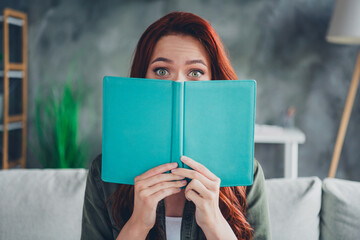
(279, 43)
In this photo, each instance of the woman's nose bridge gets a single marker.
(179, 77)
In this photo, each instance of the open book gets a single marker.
(149, 122)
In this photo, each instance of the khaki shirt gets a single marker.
(97, 222)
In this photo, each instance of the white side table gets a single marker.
(290, 137)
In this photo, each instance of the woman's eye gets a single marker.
(195, 73)
(161, 72)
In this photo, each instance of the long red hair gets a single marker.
(232, 200)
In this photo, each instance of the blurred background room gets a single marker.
(302, 53)
(280, 44)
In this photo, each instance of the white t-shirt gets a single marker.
(173, 227)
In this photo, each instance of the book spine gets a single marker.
(177, 122)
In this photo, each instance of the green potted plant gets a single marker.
(57, 126)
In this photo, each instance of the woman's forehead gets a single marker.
(180, 48)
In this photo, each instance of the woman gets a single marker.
(180, 47)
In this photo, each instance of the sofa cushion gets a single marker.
(340, 214)
(294, 206)
(41, 204)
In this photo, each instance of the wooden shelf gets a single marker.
(8, 71)
(13, 21)
(15, 163)
(15, 118)
(11, 126)
(13, 74)
(16, 66)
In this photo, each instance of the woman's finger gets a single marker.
(164, 177)
(195, 198)
(164, 193)
(163, 185)
(192, 174)
(157, 170)
(198, 187)
(199, 167)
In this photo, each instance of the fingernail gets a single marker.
(173, 170)
(174, 164)
(183, 182)
(183, 158)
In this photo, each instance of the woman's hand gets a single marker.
(203, 191)
(151, 187)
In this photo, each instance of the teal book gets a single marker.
(149, 122)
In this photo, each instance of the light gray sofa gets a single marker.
(47, 204)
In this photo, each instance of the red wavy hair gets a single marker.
(232, 200)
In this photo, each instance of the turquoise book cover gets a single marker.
(149, 122)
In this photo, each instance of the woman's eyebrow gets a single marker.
(195, 61)
(162, 59)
